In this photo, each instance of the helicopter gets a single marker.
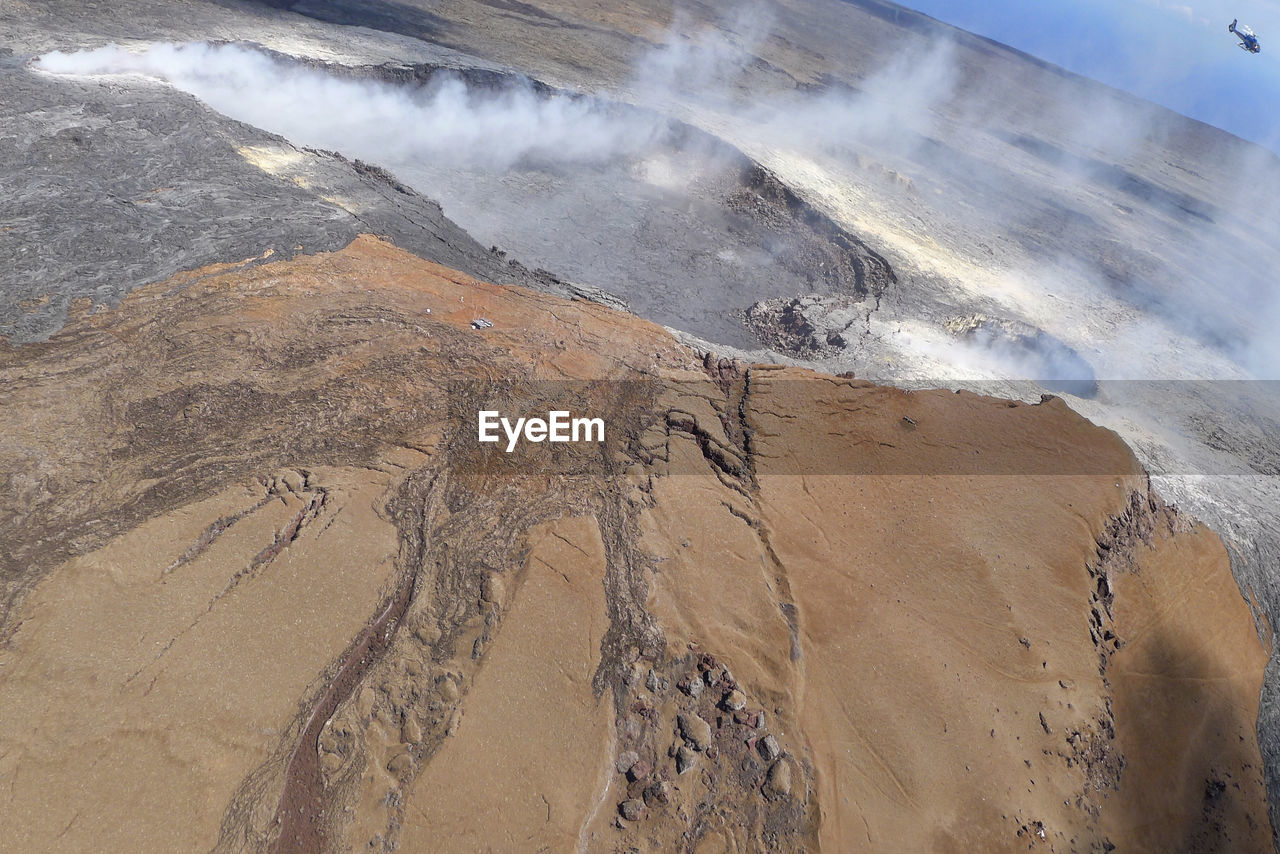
(1248, 41)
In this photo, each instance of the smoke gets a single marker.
(446, 122)
(1171, 242)
(893, 109)
(708, 63)
(718, 67)
(1136, 242)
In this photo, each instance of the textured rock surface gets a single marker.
(289, 462)
(241, 419)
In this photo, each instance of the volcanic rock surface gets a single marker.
(262, 589)
(262, 569)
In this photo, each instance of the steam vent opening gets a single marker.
(683, 227)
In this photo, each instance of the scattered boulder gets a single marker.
(626, 760)
(658, 794)
(639, 771)
(685, 759)
(734, 701)
(400, 763)
(777, 783)
(288, 480)
(328, 741)
(692, 687)
(631, 809)
(652, 682)
(769, 749)
(695, 731)
(428, 632)
(366, 700)
(410, 732)
(447, 687)
(492, 589)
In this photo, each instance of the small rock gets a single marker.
(626, 760)
(411, 733)
(447, 687)
(685, 759)
(758, 723)
(726, 676)
(696, 731)
(328, 741)
(400, 763)
(290, 480)
(631, 809)
(735, 700)
(712, 676)
(769, 749)
(639, 771)
(364, 702)
(428, 632)
(692, 687)
(658, 794)
(777, 783)
(492, 589)
(652, 682)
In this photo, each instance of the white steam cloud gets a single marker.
(1103, 245)
(447, 122)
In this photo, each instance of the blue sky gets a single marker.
(1175, 52)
